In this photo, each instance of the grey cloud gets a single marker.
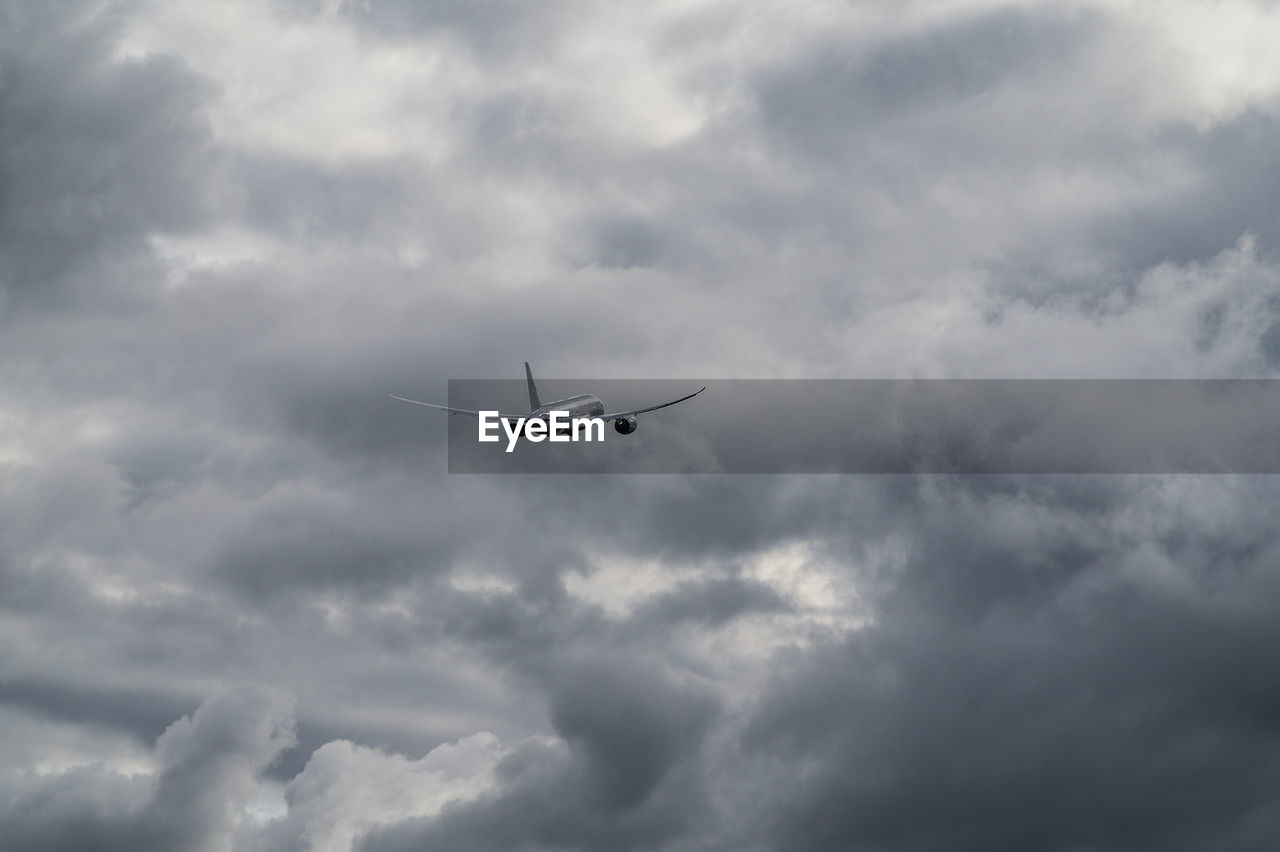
(143, 713)
(207, 763)
(1085, 709)
(1234, 161)
(1230, 164)
(712, 601)
(96, 155)
(632, 723)
(314, 541)
(546, 803)
(327, 204)
(210, 759)
(1270, 343)
(503, 30)
(625, 243)
(203, 482)
(823, 102)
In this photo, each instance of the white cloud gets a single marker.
(311, 89)
(1210, 61)
(346, 790)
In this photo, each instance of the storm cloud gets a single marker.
(243, 606)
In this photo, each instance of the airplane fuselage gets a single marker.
(582, 405)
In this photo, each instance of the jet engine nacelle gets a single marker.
(625, 425)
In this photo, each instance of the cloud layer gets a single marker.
(243, 607)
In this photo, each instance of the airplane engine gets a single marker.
(625, 425)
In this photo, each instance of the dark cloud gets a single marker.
(1087, 705)
(95, 155)
(1233, 159)
(206, 766)
(548, 802)
(628, 242)
(632, 724)
(327, 204)
(711, 601)
(229, 231)
(1270, 343)
(843, 86)
(315, 542)
(143, 713)
(503, 30)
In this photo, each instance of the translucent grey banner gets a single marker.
(888, 426)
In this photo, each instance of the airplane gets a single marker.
(582, 405)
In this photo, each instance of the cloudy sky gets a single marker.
(243, 607)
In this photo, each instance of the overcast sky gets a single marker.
(243, 607)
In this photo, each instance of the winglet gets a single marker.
(534, 404)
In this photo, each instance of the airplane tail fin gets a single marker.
(534, 403)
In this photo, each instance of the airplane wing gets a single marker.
(463, 411)
(650, 408)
